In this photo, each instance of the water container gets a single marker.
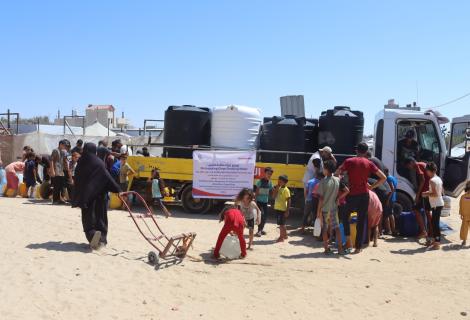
(230, 248)
(186, 126)
(235, 127)
(283, 134)
(447, 207)
(341, 129)
(408, 225)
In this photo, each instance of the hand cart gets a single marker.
(167, 247)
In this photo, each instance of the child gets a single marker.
(30, 173)
(327, 208)
(250, 211)
(282, 203)
(158, 187)
(436, 201)
(125, 171)
(465, 214)
(344, 213)
(388, 217)
(263, 189)
(311, 200)
(374, 217)
(233, 222)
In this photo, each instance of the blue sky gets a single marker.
(142, 56)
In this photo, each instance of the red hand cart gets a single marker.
(167, 247)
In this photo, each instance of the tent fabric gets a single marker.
(97, 129)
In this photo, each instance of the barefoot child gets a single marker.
(250, 211)
(327, 207)
(436, 201)
(465, 214)
(158, 187)
(282, 203)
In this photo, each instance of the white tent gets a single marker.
(98, 130)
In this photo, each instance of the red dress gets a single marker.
(233, 221)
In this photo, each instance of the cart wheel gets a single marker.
(153, 258)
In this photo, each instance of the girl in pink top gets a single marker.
(374, 216)
(11, 170)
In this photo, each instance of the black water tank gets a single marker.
(186, 126)
(341, 129)
(311, 137)
(283, 134)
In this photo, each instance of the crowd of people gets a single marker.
(83, 176)
(360, 185)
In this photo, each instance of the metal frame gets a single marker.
(176, 246)
(68, 126)
(8, 127)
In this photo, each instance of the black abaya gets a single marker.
(92, 183)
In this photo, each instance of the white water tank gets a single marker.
(235, 127)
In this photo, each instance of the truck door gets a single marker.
(457, 170)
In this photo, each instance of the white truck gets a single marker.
(391, 126)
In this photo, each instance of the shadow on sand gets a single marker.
(60, 246)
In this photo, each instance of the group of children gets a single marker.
(325, 201)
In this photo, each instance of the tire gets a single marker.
(152, 258)
(192, 205)
(405, 201)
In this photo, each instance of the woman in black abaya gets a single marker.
(92, 183)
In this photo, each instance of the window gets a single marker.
(428, 137)
(457, 140)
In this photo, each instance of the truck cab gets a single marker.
(393, 125)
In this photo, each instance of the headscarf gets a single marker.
(103, 153)
(91, 178)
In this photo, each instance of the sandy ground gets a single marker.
(47, 272)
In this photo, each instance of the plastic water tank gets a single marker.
(311, 137)
(341, 129)
(235, 127)
(186, 126)
(283, 134)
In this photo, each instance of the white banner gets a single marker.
(222, 174)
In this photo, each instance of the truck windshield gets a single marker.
(418, 139)
(429, 140)
(457, 140)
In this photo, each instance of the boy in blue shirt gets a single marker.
(388, 216)
(263, 190)
(311, 200)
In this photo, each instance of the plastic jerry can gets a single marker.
(231, 247)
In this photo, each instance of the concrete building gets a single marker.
(104, 114)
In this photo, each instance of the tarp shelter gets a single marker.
(11, 146)
(98, 130)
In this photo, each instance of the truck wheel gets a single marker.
(405, 202)
(193, 205)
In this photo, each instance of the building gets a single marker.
(104, 114)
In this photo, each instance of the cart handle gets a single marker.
(121, 196)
